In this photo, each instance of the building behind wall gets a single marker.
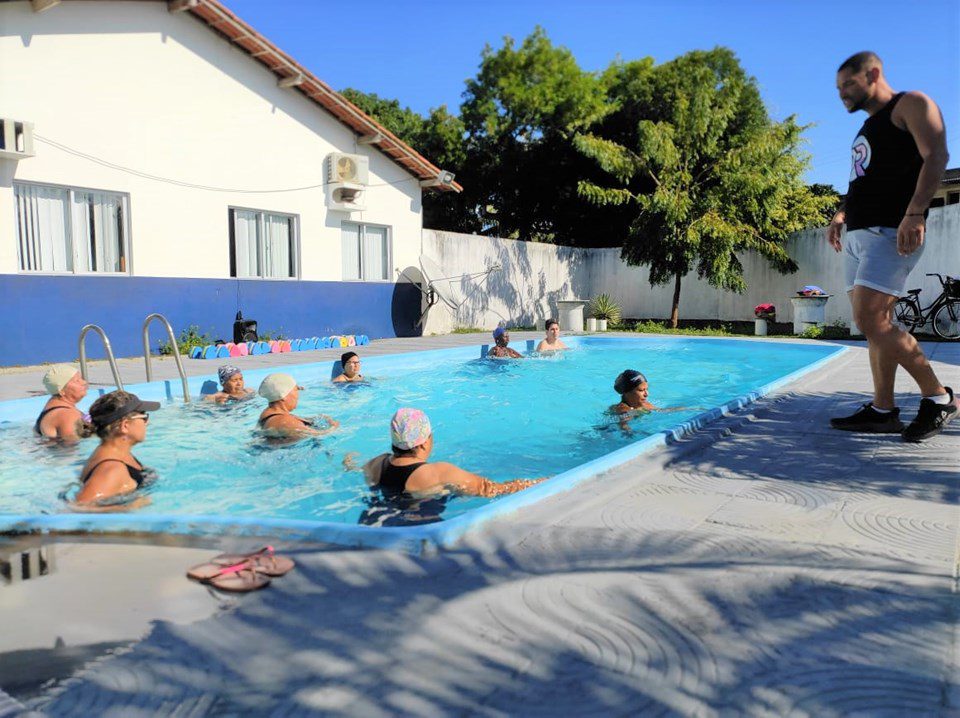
(165, 157)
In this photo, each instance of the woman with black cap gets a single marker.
(633, 389)
(120, 420)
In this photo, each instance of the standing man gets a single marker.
(898, 159)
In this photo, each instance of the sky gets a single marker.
(421, 53)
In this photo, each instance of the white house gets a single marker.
(166, 157)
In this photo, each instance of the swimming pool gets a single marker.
(536, 417)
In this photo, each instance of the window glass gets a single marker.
(365, 252)
(263, 244)
(60, 229)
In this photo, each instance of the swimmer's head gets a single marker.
(552, 323)
(350, 363)
(227, 372)
(277, 386)
(628, 381)
(108, 413)
(65, 380)
(409, 428)
(501, 336)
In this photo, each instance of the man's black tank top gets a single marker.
(884, 168)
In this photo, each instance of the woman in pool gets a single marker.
(405, 473)
(501, 349)
(232, 386)
(282, 392)
(60, 414)
(633, 388)
(120, 420)
(552, 342)
(350, 363)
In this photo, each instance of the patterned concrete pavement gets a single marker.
(764, 566)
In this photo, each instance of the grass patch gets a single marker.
(712, 328)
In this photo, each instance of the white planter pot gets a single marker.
(760, 327)
(591, 324)
(602, 325)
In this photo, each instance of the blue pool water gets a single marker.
(536, 417)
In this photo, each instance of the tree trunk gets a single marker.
(675, 311)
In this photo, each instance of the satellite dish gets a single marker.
(445, 288)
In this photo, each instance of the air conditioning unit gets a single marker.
(16, 139)
(347, 178)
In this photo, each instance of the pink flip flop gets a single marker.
(237, 578)
(264, 560)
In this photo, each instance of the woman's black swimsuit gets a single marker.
(36, 427)
(138, 475)
(393, 479)
(263, 420)
(393, 506)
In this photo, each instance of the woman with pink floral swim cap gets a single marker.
(405, 472)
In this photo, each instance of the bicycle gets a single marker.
(944, 313)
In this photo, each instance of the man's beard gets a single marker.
(857, 105)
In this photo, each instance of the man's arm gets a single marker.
(921, 117)
(835, 228)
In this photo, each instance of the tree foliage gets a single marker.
(706, 171)
(678, 163)
(521, 113)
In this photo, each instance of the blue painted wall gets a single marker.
(41, 316)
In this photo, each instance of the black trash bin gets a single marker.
(244, 330)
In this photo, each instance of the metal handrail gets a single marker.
(176, 352)
(106, 345)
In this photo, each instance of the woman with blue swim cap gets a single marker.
(502, 348)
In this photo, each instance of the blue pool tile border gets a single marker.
(408, 538)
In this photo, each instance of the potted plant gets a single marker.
(764, 313)
(605, 309)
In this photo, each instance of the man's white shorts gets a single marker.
(870, 259)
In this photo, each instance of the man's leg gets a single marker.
(890, 347)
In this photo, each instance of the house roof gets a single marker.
(218, 18)
(951, 176)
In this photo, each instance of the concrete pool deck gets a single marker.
(765, 565)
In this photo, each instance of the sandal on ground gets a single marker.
(237, 578)
(265, 561)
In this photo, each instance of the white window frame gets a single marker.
(294, 220)
(68, 239)
(362, 226)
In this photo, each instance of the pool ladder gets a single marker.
(146, 353)
(106, 346)
(176, 351)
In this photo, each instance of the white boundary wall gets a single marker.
(535, 276)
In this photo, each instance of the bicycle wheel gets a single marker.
(906, 316)
(946, 322)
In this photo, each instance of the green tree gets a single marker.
(827, 191)
(705, 171)
(521, 113)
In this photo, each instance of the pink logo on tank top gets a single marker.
(859, 157)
